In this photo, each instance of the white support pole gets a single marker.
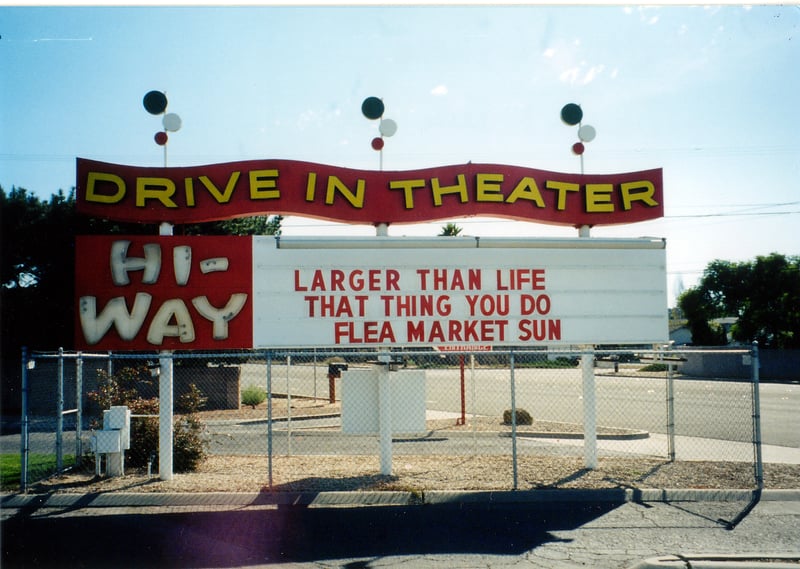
(513, 421)
(384, 414)
(589, 409)
(165, 392)
(384, 390)
(473, 403)
(165, 431)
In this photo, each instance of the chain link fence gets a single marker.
(315, 420)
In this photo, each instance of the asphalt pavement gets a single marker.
(559, 529)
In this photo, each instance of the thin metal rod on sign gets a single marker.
(584, 230)
(60, 413)
(23, 451)
(513, 420)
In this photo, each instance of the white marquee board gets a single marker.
(568, 292)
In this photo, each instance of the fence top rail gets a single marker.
(729, 351)
(642, 353)
(69, 355)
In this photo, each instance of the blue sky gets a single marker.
(709, 94)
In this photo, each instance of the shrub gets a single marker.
(523, 417)
(654, 367)
(124, 388)
(253, 396)
(189, 448)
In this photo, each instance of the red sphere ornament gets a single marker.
(578, 148)
(161, 138)
(377, 143)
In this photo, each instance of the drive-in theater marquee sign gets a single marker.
(170, 293)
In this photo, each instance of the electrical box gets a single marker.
(361, 407)
(106, 442)
(119, 418)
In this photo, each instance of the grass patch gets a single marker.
(11, 467)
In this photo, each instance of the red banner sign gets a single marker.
(165, 293)
(286, 187)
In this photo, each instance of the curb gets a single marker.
(354, 499)
(632, 434)
(766, 561)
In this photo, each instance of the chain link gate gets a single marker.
(485, 420)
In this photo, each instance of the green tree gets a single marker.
(699, 311)
(37, 293)
(450, 230)
(256, 225)
(763, 294)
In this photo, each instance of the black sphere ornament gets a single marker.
(372, 107)
(571, 114)
(155, 102)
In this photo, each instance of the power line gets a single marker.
(731, 214)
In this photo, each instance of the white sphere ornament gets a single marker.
(587, 133)
(172, 122)
(387, 127)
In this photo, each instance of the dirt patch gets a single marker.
(423, 472)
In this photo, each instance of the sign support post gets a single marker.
(589, 408)
(165, 400)
(385, 413)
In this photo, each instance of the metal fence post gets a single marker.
(269, 418)
(670, 413)
(24, 449)
(513, 420)
(759, 462)
(288, 408)
(78, 408)
(60, 413)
